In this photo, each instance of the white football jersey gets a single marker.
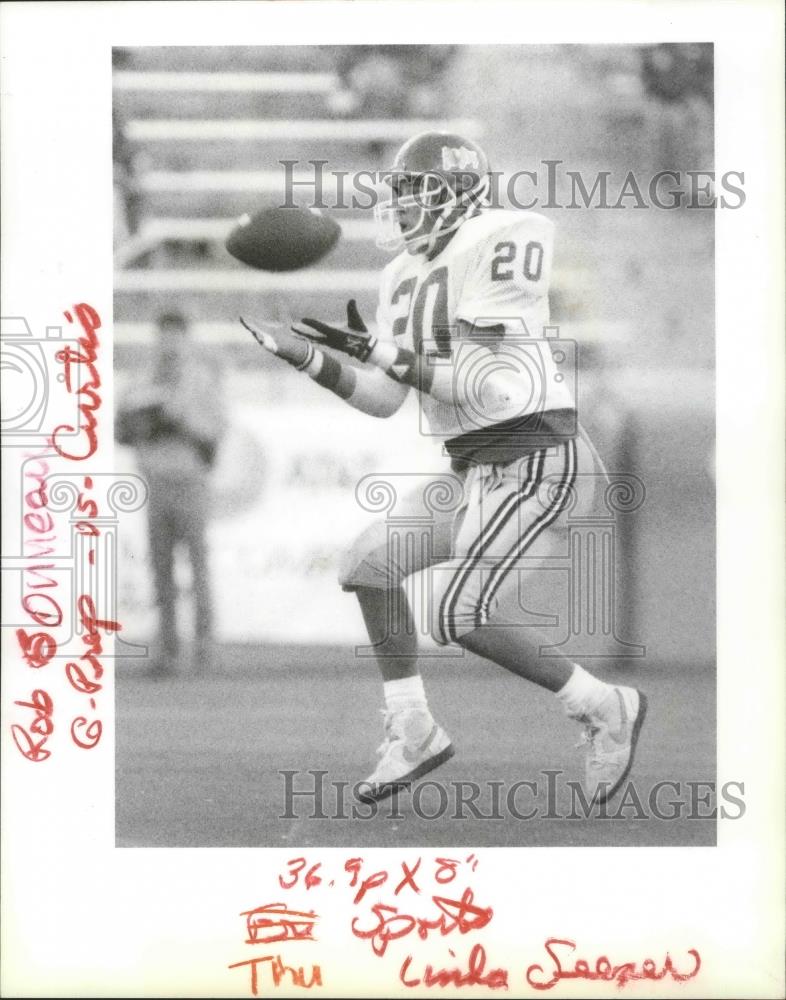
(494, 271)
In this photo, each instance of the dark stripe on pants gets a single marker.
(550, 514)
(486, 538)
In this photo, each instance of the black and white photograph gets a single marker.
(414, 351)
(392, 498)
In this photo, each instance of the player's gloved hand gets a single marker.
(298, 352)
(354, 339)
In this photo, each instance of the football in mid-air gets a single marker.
(282, 239)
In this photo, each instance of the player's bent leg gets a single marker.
(517, 649)
(413, 742)
(391, 631)
(612, 715)
(508, 534)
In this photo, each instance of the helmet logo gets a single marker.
(459, 158)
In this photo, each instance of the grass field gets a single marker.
(198, 756)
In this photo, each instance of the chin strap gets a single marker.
(477, 199)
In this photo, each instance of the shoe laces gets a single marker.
(589, 739)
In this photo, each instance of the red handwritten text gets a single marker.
(296, 975)
(90, 398)
(274, 922)
(84, 733)
(474, 975)
(44, 611)
(604, 969)
(41, 704)
(460, 915)
(296, 866)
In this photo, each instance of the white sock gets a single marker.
(407, 692)
(583, 693)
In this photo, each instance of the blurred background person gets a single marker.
(175, 418)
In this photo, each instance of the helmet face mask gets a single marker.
(418, 206)
(408, 209)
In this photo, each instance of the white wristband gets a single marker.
(383, 354)
(314, 367)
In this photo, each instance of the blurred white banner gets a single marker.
(277, 469)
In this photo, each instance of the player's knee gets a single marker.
(366, 564)
(455, 612)
(363, 573)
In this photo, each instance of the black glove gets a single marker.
(354, 340)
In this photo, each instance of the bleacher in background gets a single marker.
(199, 136)
(202, 143)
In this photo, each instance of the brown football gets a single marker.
(282, 239)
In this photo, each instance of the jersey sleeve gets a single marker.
(508, 277)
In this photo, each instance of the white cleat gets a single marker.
(610, 736)
(414, 745)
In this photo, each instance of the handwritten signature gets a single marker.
(603, 969)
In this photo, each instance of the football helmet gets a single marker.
(437, 181)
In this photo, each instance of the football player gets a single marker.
(457, 312)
